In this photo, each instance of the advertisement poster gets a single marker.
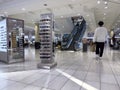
(3, 36)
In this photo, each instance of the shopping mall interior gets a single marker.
(48, 45)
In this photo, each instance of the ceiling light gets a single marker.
(61, 16)
(105, 2)
(63, 26)
(23, 9)
(104, 13)
(106, 7)
(78, 14)
(98, 2)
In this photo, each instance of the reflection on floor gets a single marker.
(75, 71)
(29, 64)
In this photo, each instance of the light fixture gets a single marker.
(105, 2)
(78, 14)
(23, 9)
(104, 13)
(106, 7)
(61, 16)
(98, 2)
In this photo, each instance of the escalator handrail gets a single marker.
(73, 34)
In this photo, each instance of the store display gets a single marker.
(3, 37)
(11, 40)
(45, 34)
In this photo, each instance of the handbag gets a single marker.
(93, 47)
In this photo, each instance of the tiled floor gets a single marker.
(75, 71)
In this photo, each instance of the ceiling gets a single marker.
(30, 10)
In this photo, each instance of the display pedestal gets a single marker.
(46, 42)
(47, 66)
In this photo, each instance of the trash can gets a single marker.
(85, 45)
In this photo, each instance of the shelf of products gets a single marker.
(11, 40)
(46, 54)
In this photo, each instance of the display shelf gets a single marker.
(12, 50)
(45, 34)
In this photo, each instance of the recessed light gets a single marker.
(106, 7)
(23, 9)
(78, 14)
(98, 2)
(61, 16)
(105, 2)
(104, 13)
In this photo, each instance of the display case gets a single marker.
(45, 34)
(13, 31)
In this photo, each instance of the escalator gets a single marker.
(75, 36)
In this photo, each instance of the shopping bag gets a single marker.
(93, 47)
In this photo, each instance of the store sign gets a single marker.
(3, 36)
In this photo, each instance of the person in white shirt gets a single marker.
(100, 36)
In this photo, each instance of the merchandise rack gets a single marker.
(45, 34)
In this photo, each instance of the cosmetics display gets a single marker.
(45, 34)
(11, 40)
(46, 43)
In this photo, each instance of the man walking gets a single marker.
(100, 37)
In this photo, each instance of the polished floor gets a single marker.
(75, 71)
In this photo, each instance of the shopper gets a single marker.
(100, 36)
(53, 41)
(114, 40)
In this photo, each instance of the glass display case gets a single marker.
(13, 50)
